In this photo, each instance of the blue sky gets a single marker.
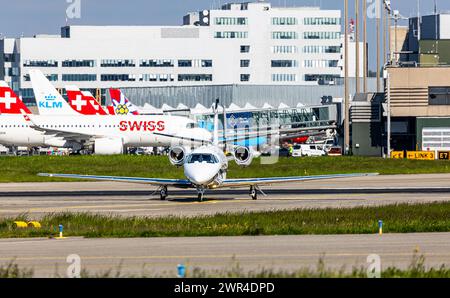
(30, 17)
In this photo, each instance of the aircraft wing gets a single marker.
(180, 183)
(279, 180)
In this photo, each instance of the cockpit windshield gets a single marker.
(200, 158)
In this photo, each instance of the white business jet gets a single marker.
(206, 168)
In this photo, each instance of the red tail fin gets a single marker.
(10, 103)
(83, 102)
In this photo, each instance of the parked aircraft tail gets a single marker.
(10, 103)
(48, 99)
(83, 101)
(122, 106)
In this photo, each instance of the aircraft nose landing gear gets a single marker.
(253, 193)
(163, 193)
(200, 194)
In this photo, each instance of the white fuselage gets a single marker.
(206, 167)
(133, 130)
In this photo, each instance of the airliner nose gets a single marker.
(201, 178)
(198, 174)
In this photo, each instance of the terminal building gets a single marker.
(418, 89)
(239, 44)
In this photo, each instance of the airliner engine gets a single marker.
(177, 155)
(243, 156)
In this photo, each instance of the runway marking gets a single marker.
(231, 255)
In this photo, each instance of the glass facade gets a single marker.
(322, 21)
(79, 77)
(78, 63)
(157, 63)
(231, 34)
(284, 21)
(117, 63)
(322, 35)
(195, 77)
(40, 63)
(284, 49)
(321, 49)
(284, 63)
(283, 77)
(231, 21)
(285, 35)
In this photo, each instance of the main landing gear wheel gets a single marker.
(163, 193)
(253, 193)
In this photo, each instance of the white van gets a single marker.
(311, 150)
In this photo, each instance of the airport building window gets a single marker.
(322, 21)
(231, 21)
(322, 79)
(40, 63)
(50, 77)
(321, 49)
(439, 95)
(157, 63)
(283, 77)
(284, 63)
(9, 57)
(118, 63)
(157, 78)
(231, 34)
(195, 77)
(184, 63)
(245, 63)
(322, 35)
(79, 77)
(245, 77)
(285, 35)
(284, 49)
(284, 21)
(118, 77)
(78, 63)
(320, 63)
(207, 63)
(245, 49)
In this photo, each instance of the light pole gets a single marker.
(346, 99)
(365, 45)
(378, 53)
(357, 46)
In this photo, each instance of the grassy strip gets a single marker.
(24, 169)
(402, 218)
(416, 269)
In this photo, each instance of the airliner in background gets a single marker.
(61, 126)
(121, 104)
(206, 168)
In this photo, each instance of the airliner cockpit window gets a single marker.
(200, 158)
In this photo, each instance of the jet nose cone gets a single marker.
(201, 178)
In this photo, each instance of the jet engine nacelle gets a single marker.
(243, 156)
(177, 155)
(108, 146)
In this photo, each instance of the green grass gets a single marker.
(404, 218)
(24, 169)
(416, 269)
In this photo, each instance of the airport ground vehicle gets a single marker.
(308, 150)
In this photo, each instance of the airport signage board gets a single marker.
(421, 155)
(444, 155)
(398, 154)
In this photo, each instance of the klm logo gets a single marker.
(52, 105)
(49, 103)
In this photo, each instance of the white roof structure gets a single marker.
(234, 107)
(249, 106)
(166, 107)
(283, 106)
(267, 106)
